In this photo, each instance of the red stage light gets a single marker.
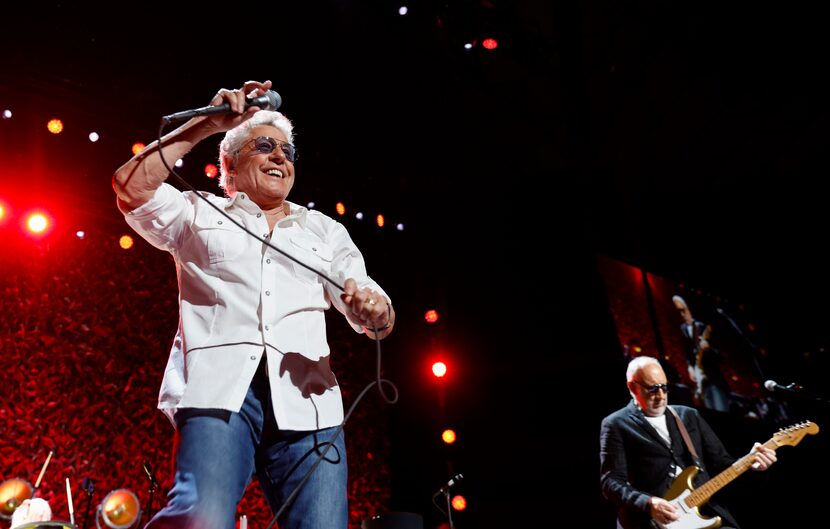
(211, 170)
(125, 242)
(341, 208)
(459, 503)
(138, 147)
(489, 44)
(448, 436)
(381, 221)
(431, 316)
(439, 369)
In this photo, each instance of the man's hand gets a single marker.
(764, 457)
(662, 511)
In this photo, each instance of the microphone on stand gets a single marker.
(149, 471)
(774, 386)
(270, 101)
(451, 483)
(87, 486)
(796, 391)
(446, 491)
(154, 486)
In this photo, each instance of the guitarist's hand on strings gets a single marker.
(764, 457)
(662, 511)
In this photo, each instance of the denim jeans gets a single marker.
(219, 451)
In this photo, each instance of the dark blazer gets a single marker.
(635, 462)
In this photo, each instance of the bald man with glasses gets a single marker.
(642, 452)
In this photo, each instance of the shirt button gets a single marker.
(253, 357)
(313, 249)
(267, 327)
(268, 261)
(243, 196)
(264, 235)
(219, 222)
(258, 215)
(267, 292)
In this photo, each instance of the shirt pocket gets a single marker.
(316, 254)
(221, 239)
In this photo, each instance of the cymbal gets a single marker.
(120, 509)
(51, 524)
(12, 493)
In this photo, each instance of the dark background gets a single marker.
(686, 139)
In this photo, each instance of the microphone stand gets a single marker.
(449, 508)
(445, 490)
(153, 486)
(88, 488)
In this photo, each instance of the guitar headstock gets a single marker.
(792, 435)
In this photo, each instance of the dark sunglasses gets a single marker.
(267, 144)
(652, 390)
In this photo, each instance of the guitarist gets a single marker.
(642, 452)
(711, 388)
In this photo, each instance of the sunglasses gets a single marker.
(652, 390)
(266, 145)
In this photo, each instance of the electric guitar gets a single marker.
(687, 499)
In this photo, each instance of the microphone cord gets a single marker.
(378, 380)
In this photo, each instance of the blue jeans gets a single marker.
(219, 451)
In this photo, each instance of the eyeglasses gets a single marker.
(266, 145)
(652, 390)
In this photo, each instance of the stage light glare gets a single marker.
(7, 114)
(403, 10)
(125, 242)
(211, 170)
(55, 126)
(431, 316)
(311, 205)
(468, 46)
(341, 208)
(399, 226)
(448, 436)
(93, 137)
(359, 215)
(459, 503)
(381, 220)
(179, 162)
(37, 223)
(80, 234)
(137, 147)
(439, 369)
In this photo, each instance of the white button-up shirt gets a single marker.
(240, 299)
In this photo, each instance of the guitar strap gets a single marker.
(685, 434)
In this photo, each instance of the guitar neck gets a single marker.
(702, 494)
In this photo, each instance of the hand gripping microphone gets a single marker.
(269, 101)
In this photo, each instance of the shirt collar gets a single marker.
(296, 212)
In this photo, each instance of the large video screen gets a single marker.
(706, 346)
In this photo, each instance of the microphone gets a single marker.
(453, 481)
(149, 471)
(772, 385)
(270, 101)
